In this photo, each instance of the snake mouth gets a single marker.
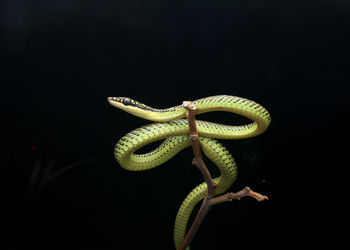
(111, 99)
(114, 102)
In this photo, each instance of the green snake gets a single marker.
(174, 130)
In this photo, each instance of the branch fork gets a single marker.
(210, 199)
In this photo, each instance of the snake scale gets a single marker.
(174, 130)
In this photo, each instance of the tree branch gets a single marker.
(209, 200)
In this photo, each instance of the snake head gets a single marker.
(119, 101)
(124, 103)
(129, 105)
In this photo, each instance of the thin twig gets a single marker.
(63, 170)
(196, 146)
(237, 196)
(50, 175)
(46, 174)
(30, 189)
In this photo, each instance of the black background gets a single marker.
(61, 59)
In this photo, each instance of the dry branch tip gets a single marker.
(189, 105)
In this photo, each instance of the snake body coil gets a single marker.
(174, 130)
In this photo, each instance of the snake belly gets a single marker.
(175, 133)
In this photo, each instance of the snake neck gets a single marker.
(163, 115)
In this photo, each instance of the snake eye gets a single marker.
(126, 101)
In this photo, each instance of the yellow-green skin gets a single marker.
(175, 131)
